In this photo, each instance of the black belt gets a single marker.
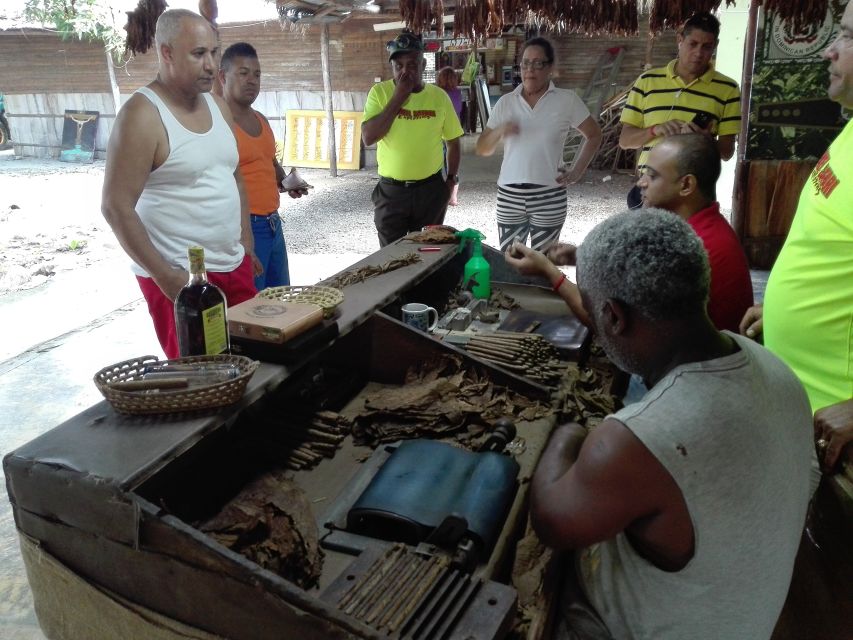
(410, 183)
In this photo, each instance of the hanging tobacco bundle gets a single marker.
(618, 17)
(671, 14)
(419, 15)
(476, 18)
(141, 24)
(802, 16)
(472, 18)
(209, 10)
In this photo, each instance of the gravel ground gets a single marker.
(50, 217)
(338, 216)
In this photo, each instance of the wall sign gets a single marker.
(791, 117)
(306, 142)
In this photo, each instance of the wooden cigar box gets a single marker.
(272, 321)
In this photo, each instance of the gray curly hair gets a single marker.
(649, 259)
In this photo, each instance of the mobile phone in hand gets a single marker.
(702, 119)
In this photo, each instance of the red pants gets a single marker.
(238, 286)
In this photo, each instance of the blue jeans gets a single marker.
(271, 251)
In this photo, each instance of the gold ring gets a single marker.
(822, 444)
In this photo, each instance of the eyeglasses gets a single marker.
(534, 64)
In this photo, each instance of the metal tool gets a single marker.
(460, 319)
(503, 433)
(405, 592)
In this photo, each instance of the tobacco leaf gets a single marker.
(535, 577)
(353, 276)
(443, 398)
(587, 400)
(141, 25)
(271, 523)
(434, 235)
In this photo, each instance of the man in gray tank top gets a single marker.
(684, 510)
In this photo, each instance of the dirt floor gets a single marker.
(50, 218)
(49, 221)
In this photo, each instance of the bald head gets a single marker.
(188, 53)
(169, 25)
(698, 155)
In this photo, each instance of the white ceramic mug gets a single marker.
(416, 315)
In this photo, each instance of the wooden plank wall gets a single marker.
(290, 59)
(73, 75)
(770, 191)
(578, 57)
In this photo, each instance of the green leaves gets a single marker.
(91, 20)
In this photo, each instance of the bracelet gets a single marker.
(560, 282)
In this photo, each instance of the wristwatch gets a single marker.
(454, 177)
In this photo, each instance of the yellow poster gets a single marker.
(306, 141)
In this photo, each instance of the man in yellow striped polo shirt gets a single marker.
(687, 95)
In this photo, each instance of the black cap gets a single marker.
(406, 42)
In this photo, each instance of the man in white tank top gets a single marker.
(684, 509)
(172, 177)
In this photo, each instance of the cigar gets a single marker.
(197, 377)
(173, 382)
(212, 370)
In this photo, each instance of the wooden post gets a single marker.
(111, 73)
(741, 197)
(327, 98)
(650, 48)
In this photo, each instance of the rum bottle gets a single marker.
(200, 312)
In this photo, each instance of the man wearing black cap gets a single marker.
(410, 121)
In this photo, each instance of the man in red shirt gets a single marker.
(680, 176)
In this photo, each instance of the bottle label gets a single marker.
(196, 258)
(215, 330)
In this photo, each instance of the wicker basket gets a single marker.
(327, 298)
(218, 394)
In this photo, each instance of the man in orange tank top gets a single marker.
(240, 74)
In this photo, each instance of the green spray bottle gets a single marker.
(477, 274)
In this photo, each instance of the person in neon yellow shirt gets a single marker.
(807, 316)
(410, 121)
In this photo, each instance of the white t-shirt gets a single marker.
(534, 155)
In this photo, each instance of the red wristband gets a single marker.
(560, 282)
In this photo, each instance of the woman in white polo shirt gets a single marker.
(533, 121)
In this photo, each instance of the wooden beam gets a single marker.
(393, 26)
(324, 20)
